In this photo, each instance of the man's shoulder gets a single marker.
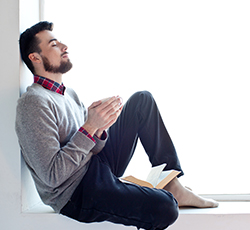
(35, 95)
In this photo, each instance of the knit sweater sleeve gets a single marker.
(38, 134)
(100, 143)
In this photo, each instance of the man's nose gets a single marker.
(64, 47)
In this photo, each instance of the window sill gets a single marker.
(223, 209)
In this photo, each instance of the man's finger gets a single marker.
(95, 104)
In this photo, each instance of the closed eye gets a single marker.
(53, 42)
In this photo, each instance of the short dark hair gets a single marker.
(29, 43)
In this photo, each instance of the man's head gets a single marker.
(40, 49)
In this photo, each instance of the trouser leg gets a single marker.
(140, 118)
(101, 196)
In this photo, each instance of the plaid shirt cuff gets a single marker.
(82, 130)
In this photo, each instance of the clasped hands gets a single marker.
(102, 114)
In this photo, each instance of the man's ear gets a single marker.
(35, 57)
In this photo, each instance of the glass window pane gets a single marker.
(193, 56)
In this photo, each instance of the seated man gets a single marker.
(75, 162)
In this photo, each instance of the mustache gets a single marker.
(64, 53)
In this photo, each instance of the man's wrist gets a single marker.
(99, 133)
(89, 129)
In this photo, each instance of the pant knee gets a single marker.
(143, 99)
(173, 210)
(142, 94)
(166, 213)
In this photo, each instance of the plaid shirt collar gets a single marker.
(50, 84)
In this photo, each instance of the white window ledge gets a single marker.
(224, 208)
(229, 216)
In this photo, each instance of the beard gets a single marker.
(64, 67)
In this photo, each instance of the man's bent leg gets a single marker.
(140, 118)
(102, 197)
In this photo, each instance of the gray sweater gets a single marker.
(55, 152)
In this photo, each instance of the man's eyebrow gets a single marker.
(51, 40)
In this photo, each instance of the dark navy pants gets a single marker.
(101, 196)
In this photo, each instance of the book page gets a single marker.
(154, 174)
(166, 177)
(163, 175)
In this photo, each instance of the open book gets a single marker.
(157, 178)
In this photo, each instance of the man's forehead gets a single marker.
(46, 36)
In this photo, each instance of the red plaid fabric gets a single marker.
(86, 133)
(50, 84)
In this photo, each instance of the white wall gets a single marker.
(9, 91)
(11, 216)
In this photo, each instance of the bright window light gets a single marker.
(193, 56)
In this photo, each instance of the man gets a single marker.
(75, 162)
